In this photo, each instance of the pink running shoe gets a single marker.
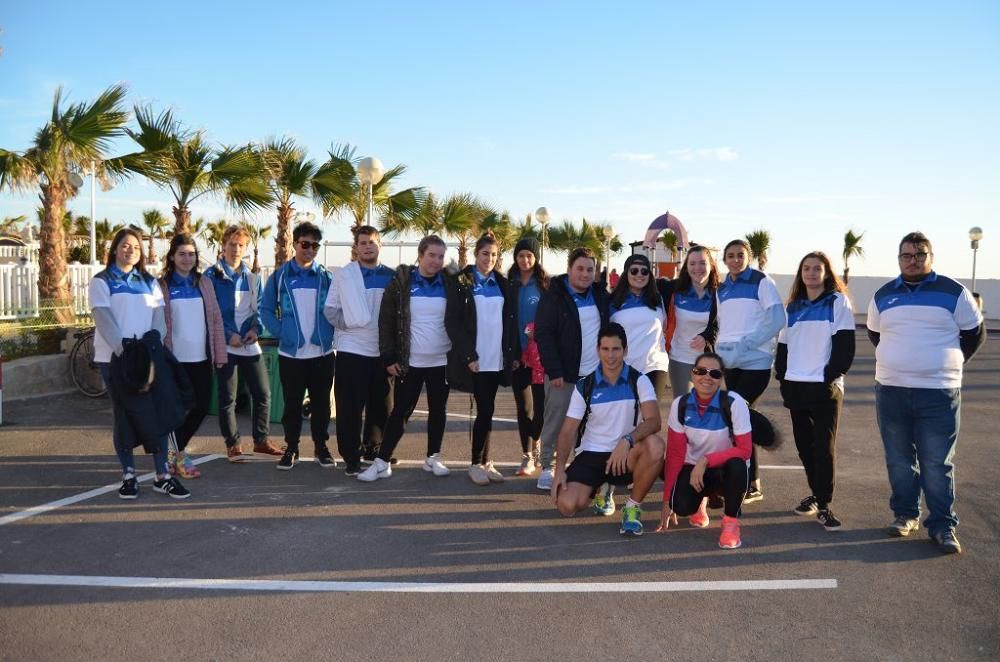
(700, 519)
(730, 538)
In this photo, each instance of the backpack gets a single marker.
(588, 392)
(726, 405)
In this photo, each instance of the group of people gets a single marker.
(589, 369)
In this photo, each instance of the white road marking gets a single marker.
(452, 414)
(414, 587)
(83, 496)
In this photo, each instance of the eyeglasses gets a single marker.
(310, 245)
(714, 373)
(639, 271)
(919, 257)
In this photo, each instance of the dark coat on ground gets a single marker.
(557, 328)
(148, 414)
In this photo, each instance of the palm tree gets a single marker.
(213, 234)
(256, 232)
(852, 247)
(13, 225)
(288, 174)
(74, 139)
(104, 233)
(184, 163)
(337, 187)
(527, 228)
(566, 236)
(503, 228)
(460, 215)
(669, 241)
(156, 225)
(760, 243)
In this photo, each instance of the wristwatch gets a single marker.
(629, 439)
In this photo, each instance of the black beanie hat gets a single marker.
(527, 244)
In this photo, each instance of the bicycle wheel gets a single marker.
(82, 368)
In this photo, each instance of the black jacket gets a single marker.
(394, 315)
(557, 329)
(147, 416)
(461, 323)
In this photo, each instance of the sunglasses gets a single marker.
(639, 271)
(313, 245)
(714, 373)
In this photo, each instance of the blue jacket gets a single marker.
(279, 312)
(225, 294)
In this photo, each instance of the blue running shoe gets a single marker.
(603, 502)
(631, 521)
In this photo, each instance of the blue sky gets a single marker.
(802, 118)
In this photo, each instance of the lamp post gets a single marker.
(370, 173)
(975, 234)
(608, 233)
(542, 215)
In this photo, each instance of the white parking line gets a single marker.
(414, 587)
(83, 496)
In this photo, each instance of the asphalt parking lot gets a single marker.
(262, 564)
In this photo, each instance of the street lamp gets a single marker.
(370, 173)
(542, 215)
(975, 234)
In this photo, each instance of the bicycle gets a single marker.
(83, 369)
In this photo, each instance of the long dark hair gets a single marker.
(538, 272)
(168, 263)
(119, 238)
(684, 282)
(831, 283)
(650, 294)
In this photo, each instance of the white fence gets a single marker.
(19, 288)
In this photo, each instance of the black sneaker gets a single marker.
(172, 488)
(829, 521)
(808, 506)
(903, 526)
(947, 542)
(129, 489)
(753, 495)
(288, 459)
(353, 468)
(716, 502)
(324, 459)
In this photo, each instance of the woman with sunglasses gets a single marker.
(815, 351)
(636, 305)
(195, 335)
(481, 349)
(692, 323)
(527, 281)
(751, 314)
(705, 455)
(127, 303)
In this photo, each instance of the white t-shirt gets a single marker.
(918, 345)
(690, 319)
(243, 311)
(612, 410)
(429, 342)
(189, 331)
(489, 301)
(644, 330)
(742, 304)
(707, 433)
(809, 334)
(131, 299)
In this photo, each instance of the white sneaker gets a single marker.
(434, 465)
(545, 480)
(478, 475)
(379, 468)
(493, 473)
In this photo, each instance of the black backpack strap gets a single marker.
(633, 382)
(726, 405)
(682, 408)
(588, 391)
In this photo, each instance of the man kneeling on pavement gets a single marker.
(613, 419)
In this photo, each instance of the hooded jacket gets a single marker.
(279, 312)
